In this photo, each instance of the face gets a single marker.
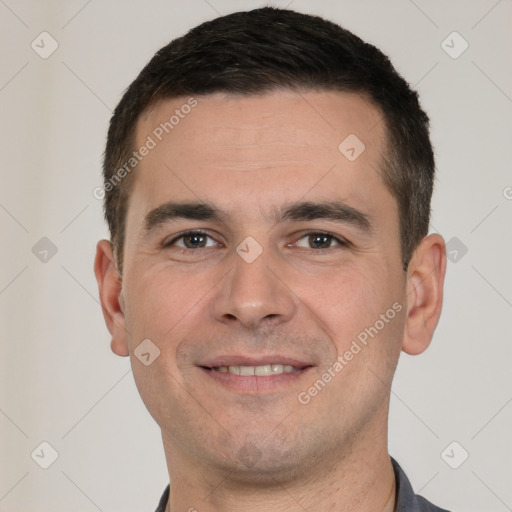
(262, 261)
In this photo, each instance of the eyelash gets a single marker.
(342, 243)
(170, 243)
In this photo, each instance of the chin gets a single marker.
(265, 462)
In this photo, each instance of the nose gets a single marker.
(254, 293)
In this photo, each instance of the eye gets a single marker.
(319, 240)
(191, 240)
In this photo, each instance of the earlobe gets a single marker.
(110, 291)
(425, 280)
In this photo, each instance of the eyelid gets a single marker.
(172, 241)
(341, 240)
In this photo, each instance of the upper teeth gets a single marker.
(268, 369)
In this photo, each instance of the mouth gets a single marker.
(260, 371)
(255, 377)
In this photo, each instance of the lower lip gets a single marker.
(255, 384)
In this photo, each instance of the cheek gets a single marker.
(362, 310)
(164, 309)
(159, 303)
(375, 322)
(346, 299)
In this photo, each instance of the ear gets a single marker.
(425, 280)
(110, 288)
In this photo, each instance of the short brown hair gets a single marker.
(268, 49)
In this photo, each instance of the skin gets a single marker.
(259, 446)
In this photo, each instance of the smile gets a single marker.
(260, 371)
(268, 375)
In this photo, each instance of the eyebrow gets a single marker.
(173, 210)
(336, 211)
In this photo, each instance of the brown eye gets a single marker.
(319, 241)
(191, 240)
(195, 240)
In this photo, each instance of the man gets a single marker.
(268, 179)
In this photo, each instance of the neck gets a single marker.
(355, 481)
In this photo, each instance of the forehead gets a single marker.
(281, 145)
(284, 118)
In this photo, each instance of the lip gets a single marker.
(255, 384)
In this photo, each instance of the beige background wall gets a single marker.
(59, 382)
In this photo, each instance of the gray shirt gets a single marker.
(406, 500)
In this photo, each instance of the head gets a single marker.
(302, 161)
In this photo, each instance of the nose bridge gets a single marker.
(253, 291)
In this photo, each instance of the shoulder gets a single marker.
(406, 499)
(162, 505)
